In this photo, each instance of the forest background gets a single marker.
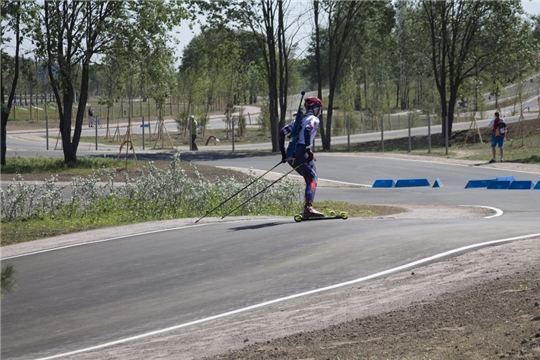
(363, 57)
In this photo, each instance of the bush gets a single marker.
(157, 195)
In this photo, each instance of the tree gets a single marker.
(344, 22)
(220, 66)
(68, 34)
(111, 70)
(467, 38)
(275, 38)
(376, 51)
(14, 14)
(277, 48)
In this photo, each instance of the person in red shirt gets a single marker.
(498, 135)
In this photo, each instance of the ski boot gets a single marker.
(310, 212)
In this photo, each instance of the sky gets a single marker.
(185, 35)
(532, 7)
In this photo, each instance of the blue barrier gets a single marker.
(506, 178)
(499, 184)
(502, 182)
(537, 187)
(383, 183)
(438, 183)
(521, 185)
(475, 184)
(412, 182)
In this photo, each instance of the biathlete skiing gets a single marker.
(303, 155)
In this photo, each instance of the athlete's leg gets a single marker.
(309, 172)
(311, 186)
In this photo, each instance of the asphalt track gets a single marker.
(78, 297)
(83, 296)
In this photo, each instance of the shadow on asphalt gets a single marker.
(208, 156)
(259, 226)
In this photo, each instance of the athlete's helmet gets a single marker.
(309, 102)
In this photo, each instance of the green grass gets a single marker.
(24, 230)
(110, 211)
(44, 165)
(521, 147)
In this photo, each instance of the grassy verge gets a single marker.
(522, 145)
(177, 190)
(39, 228)
(44, 165)
(40, 168)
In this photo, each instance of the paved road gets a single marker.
(77, 297)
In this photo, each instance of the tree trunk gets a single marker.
(283, 67)
(7, 108)
(316, 13)
(81, 109)
(65, 128)
(5, 115)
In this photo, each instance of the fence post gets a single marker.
(409, 126)
(446, 133)
(429, 133)
(348, 133)
(96, 126)
(142, 132)
(382, 133)
(47, 129)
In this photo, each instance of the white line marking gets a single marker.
(102, 240)
(344, 182)
(246, 170)
(311, 292)
(498, 212)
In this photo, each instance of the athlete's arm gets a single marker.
(281, 136)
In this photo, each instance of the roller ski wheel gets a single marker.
(331, 216)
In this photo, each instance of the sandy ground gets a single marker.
(481, 304)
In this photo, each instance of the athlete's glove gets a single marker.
(283, 156)
(310, 156)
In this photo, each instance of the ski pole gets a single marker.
(238, 192)
(264, 189)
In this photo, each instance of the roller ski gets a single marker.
(311, 214)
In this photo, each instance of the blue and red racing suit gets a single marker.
(303, 154)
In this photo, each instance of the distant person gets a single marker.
(498, 135)
(90, 117)
(193, 124)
